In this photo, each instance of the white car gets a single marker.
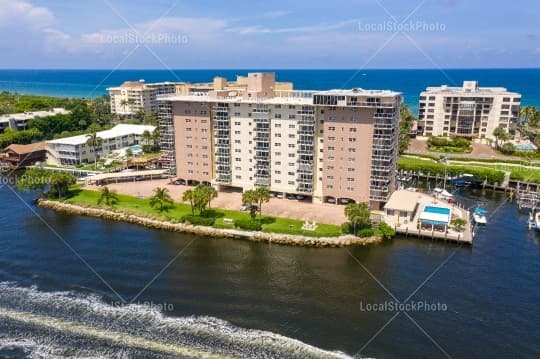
(245, 207)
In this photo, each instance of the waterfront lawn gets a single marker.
(141, 206)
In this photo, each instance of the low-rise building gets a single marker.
(467, 111)
(19, 156)
(19, 121)
(73, 151)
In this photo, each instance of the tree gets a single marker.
(203, 195)
(250, 197)
(94, 141)
(189, 196)
(147, 137)
(359, 215)
(527, 113)
(405, 126)
(500, 135)
(508, 149)
(110, 198)
(124, 103)
(459, 223)
(262, 194)
(161, 199)
(34, 179)
(60, 182)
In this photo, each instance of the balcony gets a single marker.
(262, 182)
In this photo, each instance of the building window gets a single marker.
(277, 181)
(292, 155)
(277, 172)
(290, 183)
(330, 177)
(331, 128)
(290, 173)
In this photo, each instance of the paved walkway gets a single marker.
(307, 211)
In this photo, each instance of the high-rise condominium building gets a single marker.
(468, 111)
(134, 96)
(333, 146)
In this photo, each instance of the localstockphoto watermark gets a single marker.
(159, 306)
(394, 26)
(131, 38)
(411, 306)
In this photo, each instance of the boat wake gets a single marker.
(40, 324)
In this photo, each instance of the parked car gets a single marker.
(245, 207)
(291, 196)
(179, 182)
(299, 197)
(331, 200)
(279, 195)
(343, 201)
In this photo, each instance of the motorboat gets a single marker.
(480, 215)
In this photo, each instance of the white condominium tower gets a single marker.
(468, 111)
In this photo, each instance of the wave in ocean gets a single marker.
(42, 324)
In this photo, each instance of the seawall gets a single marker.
(286, 239)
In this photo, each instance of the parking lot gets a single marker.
(280, 207)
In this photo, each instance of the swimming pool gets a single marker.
(437, 210)
(525, 147)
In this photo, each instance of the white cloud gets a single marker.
(251, 30)
(15, 13)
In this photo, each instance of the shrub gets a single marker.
(198, 220)
(346, 228)
(387, 232)
(248, 225)
(508, 149)
(365, 232)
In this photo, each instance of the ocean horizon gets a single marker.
(91, 83)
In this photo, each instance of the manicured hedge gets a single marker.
(248, 225)
(198, 220)
(411, 164)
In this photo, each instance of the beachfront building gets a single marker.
(134, 96)
(467, 111)
(73, 151)
(19, 121)
(334, 146)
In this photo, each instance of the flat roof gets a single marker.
(300, 97)
(104, 176)
(435, 218)
(34, 114)
(403, 200)
(120, 130)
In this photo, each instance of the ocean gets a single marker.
(93, 83)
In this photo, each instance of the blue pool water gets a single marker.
(438, 210)
(525, 147)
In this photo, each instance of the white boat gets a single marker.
(442, 193)
(479, 215)
(534, 220)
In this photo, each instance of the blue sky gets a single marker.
(269, 34)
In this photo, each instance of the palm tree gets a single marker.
(358, 215)
(147, 137)
(263, 195)
(161, 199)
(94, 141)
(527, 112)
(189, 196)
(210, 193)
(250, 197)
(110, 198)
(124, 103)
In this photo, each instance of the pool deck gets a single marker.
(411, 227)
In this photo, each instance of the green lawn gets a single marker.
(141, 206)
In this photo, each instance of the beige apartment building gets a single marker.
(467, 111)
(331, 146)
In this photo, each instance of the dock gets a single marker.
(406, 220)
